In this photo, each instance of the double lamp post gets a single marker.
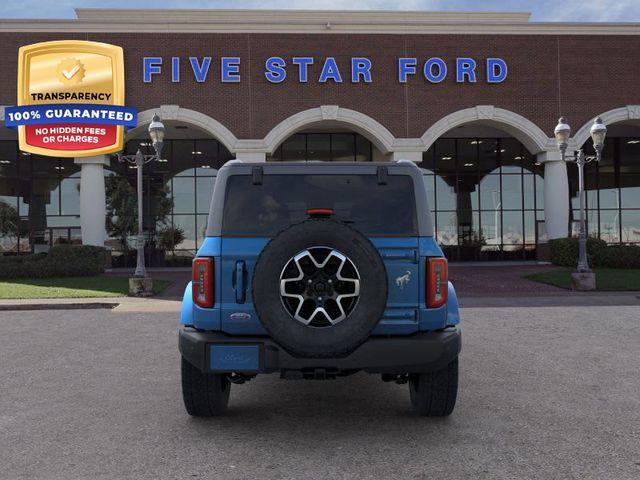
(141, 283)
(583, 278)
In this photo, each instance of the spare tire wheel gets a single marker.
(319, 288)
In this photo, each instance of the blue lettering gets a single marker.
(496, 70)
(465, 67)
(230, 69)
(406, 66)
(200, 71)
(330, 71)
(175, 69)
(428, 70)
(360, 67)
(303, 64)
(151, 66)
(275, 69)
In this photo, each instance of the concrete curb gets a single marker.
(57, 306)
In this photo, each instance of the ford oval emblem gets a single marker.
(240, 316)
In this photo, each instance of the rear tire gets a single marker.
(433, 394)
(204, 394)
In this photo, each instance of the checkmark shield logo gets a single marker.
(70, 71)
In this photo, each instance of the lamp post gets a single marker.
(583, 278)
(156, 133)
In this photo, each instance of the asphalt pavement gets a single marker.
(546, 392)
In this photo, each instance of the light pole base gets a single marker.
(141, 286)
(583, 281)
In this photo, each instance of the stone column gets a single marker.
(556, 194)
(252, 157)
(407, 155)
(92, 199)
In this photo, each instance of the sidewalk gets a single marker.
(477, 285)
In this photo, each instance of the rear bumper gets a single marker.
(421, 352)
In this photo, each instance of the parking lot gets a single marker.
(551, 392)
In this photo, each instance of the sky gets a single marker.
(542, 10)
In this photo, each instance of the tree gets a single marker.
(9, 221)
(122, 208)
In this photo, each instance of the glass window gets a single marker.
(530, 227)
(276, 156)
(343, 147)
(490, 198)
(609, 226)
(630, 190)
(467, 192)
(44, 166)
(488, 156)
(188, 225)
(319, 147)
(512, 192)
(294, 148)
(431, 194)
(528, 191)
(182, 158)
(447, 228)
(282, 200)
(445, 157)
(445, 195)
(629, 155)
(511, 155)
(8, 159)
(363, 149)
(201, 228)
(204, 190)
(206, 153)
(183, 195)
(427, 159)
(70, 196)
(631, 226)
(539, 191)
(512, 229)
(491, 224)
(607, 186)
(467, 153)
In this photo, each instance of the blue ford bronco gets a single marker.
(319, 270)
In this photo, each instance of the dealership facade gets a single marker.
(472, 98)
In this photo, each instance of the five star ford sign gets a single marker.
(71, 99)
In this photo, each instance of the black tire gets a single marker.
(204, 394)
(331, 340)
(433, 394)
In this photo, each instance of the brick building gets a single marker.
(473, 98)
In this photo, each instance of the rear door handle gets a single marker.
(240, 282)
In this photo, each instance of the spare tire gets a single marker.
(319, 288)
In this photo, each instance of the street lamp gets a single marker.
(562, 133)
(156, 133)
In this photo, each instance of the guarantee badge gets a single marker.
(71, 99)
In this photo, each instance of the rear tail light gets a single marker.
(202, 282)
(437, 282)
(320, 212)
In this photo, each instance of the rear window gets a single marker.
(281, 200)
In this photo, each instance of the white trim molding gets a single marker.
(192, 117)
(373, 130)
(622, 114)
(531, 136)
(312, 21)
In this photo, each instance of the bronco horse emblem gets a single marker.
(402, 280)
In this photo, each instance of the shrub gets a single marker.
(564, 252)
(61, 261)
(618, 256)
(170, 237)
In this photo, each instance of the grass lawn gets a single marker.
(607, 279)
(71, 287)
